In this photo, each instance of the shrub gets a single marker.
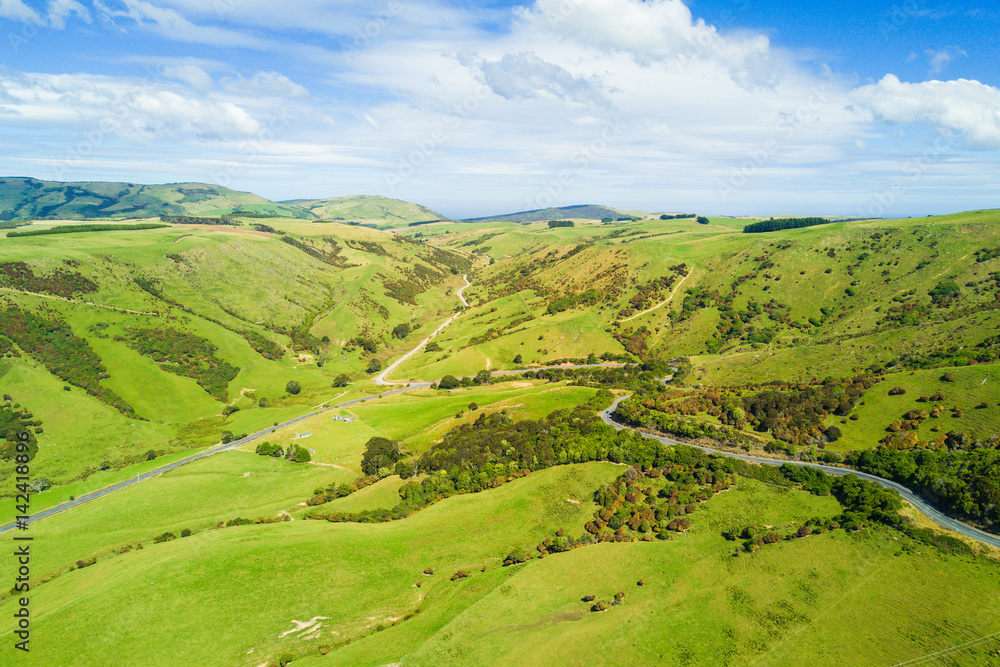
(342, 380)
(293, 387)
(186, 532)
(374, 366)
(432, 347)
(449, 382)
(518, 359)
(461, 574)
(948, 377)
(516, 557)
(897, 391)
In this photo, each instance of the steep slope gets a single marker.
(122, 342)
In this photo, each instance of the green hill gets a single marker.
(30, 198)
(127, 342)
(380, 212)
(585, 211)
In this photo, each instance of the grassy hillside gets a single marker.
(30, 198)
(585, 211)
(369, 210)
(122, 343)
(307, 584)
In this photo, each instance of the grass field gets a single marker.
(786, 601)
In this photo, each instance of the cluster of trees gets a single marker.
(197, 220)
(73, 229)
(794, 414)
(679, 216)
(293, 453)
(560, 223)
(62, 282)
(262, 345)
(185, 354)
(380, 453)
(64, 354)
(962, 482)
(16, 421)
(452, 382)
(586, 298)
(773, 225)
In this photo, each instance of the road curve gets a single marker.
(927, 510)
(380, 378)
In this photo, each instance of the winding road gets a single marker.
(380, 378)
(927, 510)
(930, 512)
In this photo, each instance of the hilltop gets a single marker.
(378, 211)
(30, 198)
(585, 211)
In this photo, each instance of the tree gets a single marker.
(379, 453)
(293, 387)
(432, 347)
(483, 377)
(401, 331)
(449, 382)
(374, 366)
(342, 380)
(518, 359)
(702, 220)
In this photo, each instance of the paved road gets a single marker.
(131, 481)
(912, 498)
(380, 378)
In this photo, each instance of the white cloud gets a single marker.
(169, 23)
(657, 30)
(60, 9)
(133, 111)
(524, 76)
(965, 106)
(270, 84)
(192, 75)
(939, 60)
(16, 9)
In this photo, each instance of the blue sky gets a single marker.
(746, 107)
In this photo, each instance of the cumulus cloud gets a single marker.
(525, 76)
(270, 84)
(192, 75)
(137, 113)
(656, 30)
(965, 106)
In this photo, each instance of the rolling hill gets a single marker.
(585, 211)
(369, 210)
(30, 198)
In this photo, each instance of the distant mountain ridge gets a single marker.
(32, 199)
(586, 211)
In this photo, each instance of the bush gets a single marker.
(461, 574)
(293, 387)
(449, 382)
(186, 532)
(432, 347)
(374, 366)
(897, 391)
(516, 557)
(948, 377)
(342, 380)
(518, 359)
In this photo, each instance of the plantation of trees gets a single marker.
(773, 225)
